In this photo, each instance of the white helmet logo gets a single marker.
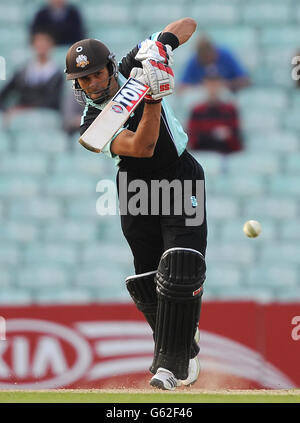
(81, 61)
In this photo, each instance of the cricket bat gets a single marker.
(114, 115)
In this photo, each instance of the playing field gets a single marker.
(147, 396)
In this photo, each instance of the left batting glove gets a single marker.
(155, 50)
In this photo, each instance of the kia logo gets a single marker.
(35, 353)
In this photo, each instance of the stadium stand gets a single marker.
(55, 248)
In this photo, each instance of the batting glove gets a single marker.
(160, 78)
(139, 74)
(155, 50)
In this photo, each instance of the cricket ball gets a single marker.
(252, 228)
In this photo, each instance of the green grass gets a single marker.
(142, 396)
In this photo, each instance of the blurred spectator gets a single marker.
(63, 21)
(209, 57)
(37, 84)
(214, 124)
(71, 112)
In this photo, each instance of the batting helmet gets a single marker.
(86, 57)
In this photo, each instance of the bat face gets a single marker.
(114, 115)
(131, 93)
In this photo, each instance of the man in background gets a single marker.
(210, 58)
(214, 124)
(37, 84)
(63, 21)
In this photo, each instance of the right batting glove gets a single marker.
(160, 78)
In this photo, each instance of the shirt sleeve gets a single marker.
(9, 88)
(87, 119)
(236, 68)
(192, 73)
(128, 62)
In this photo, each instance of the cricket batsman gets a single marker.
(168, 253)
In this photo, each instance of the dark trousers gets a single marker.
(150, 235)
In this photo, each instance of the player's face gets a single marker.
(94, 84)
